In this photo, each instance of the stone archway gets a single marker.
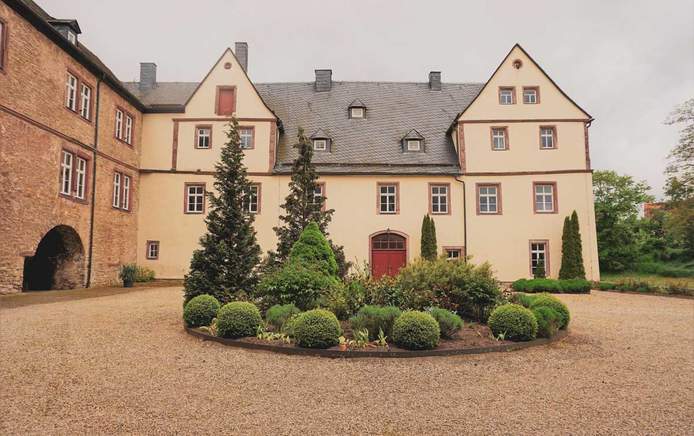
(58, 262)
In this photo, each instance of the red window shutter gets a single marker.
(226, 101)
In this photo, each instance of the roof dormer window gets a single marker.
(357, 109)
(320, 140)
(414, 145)
(413, 142)
(72, 37)
(320, 144)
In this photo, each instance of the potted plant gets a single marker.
(127, 274)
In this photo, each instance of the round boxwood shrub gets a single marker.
(514, 322)
(200, 311)
(238, 319)
(316, 328)
(547, 321)
(547, 300)
(449, 322)
(416, 330)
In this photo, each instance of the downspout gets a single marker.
(91, 210)
(464, 217)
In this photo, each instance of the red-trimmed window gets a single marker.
(388, 198)
(489, 199)
(252, 200)
(548, 137)
(247, 137)
(122, 191)
(119, 124)
(507, 95)
(545, 195)
(195, 198)
(226, 100)
(203, 137)
(531, 95)
(440, 199)
(85, 101)
(71, 92)
(454, 253)
(73, 175)
(539, 255)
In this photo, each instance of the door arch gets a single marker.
(387, 252)
(58, 262)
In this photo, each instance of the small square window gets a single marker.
(439, 199)
(413, 145)
(203, 137)
(320, 144)
(545, 198)
(548, 137)
(387, 199)
(356, 112)
(507, 96)
(246, 137)
(499, 138)
(488, 199)
(152, 250)
(531, 96)
(454, 253)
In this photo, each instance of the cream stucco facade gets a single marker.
(169, 160)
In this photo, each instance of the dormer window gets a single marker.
(413, 142)
(414, 145)
(357, 109)
(320, 141)
(72, 37)
(320, 144)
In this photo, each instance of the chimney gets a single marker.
(241, 52)
(148, 75)
(435, 80)
(324, 80)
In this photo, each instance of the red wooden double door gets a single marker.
(388, 254)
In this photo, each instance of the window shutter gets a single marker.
(226, 101)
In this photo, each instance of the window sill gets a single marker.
(124, 142)
(119, 209)
(78, 115)
(73, 198)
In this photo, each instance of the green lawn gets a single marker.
(651, 279)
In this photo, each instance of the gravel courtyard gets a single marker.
(123, 364)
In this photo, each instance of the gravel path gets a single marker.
(122, 364)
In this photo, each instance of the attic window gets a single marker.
(413, 142)
(356, 112)
(414, 145)
(320, 144)
(72, 37)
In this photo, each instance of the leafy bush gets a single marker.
(238, 319)
(200, 311)
(665, 270)
(316, 328)
(449, 322)
(278, 314)
(415, 330)
(127, 274)
(573, 286)
(373, 318)
(547, 300)
(547, 321)
(313, 249)
(606, 286)
(513, 322)
(143, 274)
(524, 300)
(288, 326)
(295, 283)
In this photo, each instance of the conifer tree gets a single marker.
(225, 265)
(580, 271)
(302, 206)
(428, 238)
(571, 250)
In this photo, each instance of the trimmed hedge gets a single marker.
(449, 322)
(200, 311)
(547, 321)
(574, 286)
(316, 328)
(514, 322)
(415, 330)
(547, 300)
(238, 319)
(374, 318)
(278, 314)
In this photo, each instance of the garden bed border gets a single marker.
(373, 353)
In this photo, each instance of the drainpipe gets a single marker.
(92, 205)
(464, 216)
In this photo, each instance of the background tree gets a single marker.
(571, 250)
(225, 264)
(428, 239)
(617, 200)
(302, 207)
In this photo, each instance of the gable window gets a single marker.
(226, 100)
(548, 137)
(194, 198)
(507, 95)
(153, 250)
(499, 138)
(119, 124)
(320, 144)
(356, 112)
(85, 101)
(128, 136)
(413, 145)
(539, 255)
(247, 137)
(72, 37)
(531, 95)
(388, 198)
(122, 187)
(116, 190)
(454, 253)
(252, 200)
(203, 136)
(440, 198)
(489, 199)
(3, 44)
(73, 175)
(545, 197)
(71, 92)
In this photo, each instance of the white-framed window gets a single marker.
(544, 197)
(454, 253)
(413, 145)
(71, 92)
(253, 199)
(499, 138)
(439, 199)
(85, 101)
(128, 137)
(116, 189)
(66, 173)
(530, 96)
(203, 137)
(246, 137)
(152, 250)
(388, 198)
(488, 199)
(125, 205)
(547, 137)
(506, 96)
(80, 177)
(195, 198)
(72, 37)
(356, 112)
(119, 124)
(320, 144)
(317, 194)
(538, 254)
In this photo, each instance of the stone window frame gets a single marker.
(199, 127)
(186, 187)
(322, 187)
(148, 252)
(499, 209)
(545, 242)
(258, 199)
(396, 195)
(537, 94)
(252, 144)
(73, 176)
(512, 89)
(555, 200)
(431, 198)
(504, 129)
(79, 81)
(124, 202)
(554, 137)
(450, 249)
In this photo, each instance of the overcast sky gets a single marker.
(628, 63)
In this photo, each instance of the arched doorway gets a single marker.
(58, 262)
(388, 253)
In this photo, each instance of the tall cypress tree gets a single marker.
(580, 271)
(302, 207)
(428, 238)
(225, 264)
(571, 250)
